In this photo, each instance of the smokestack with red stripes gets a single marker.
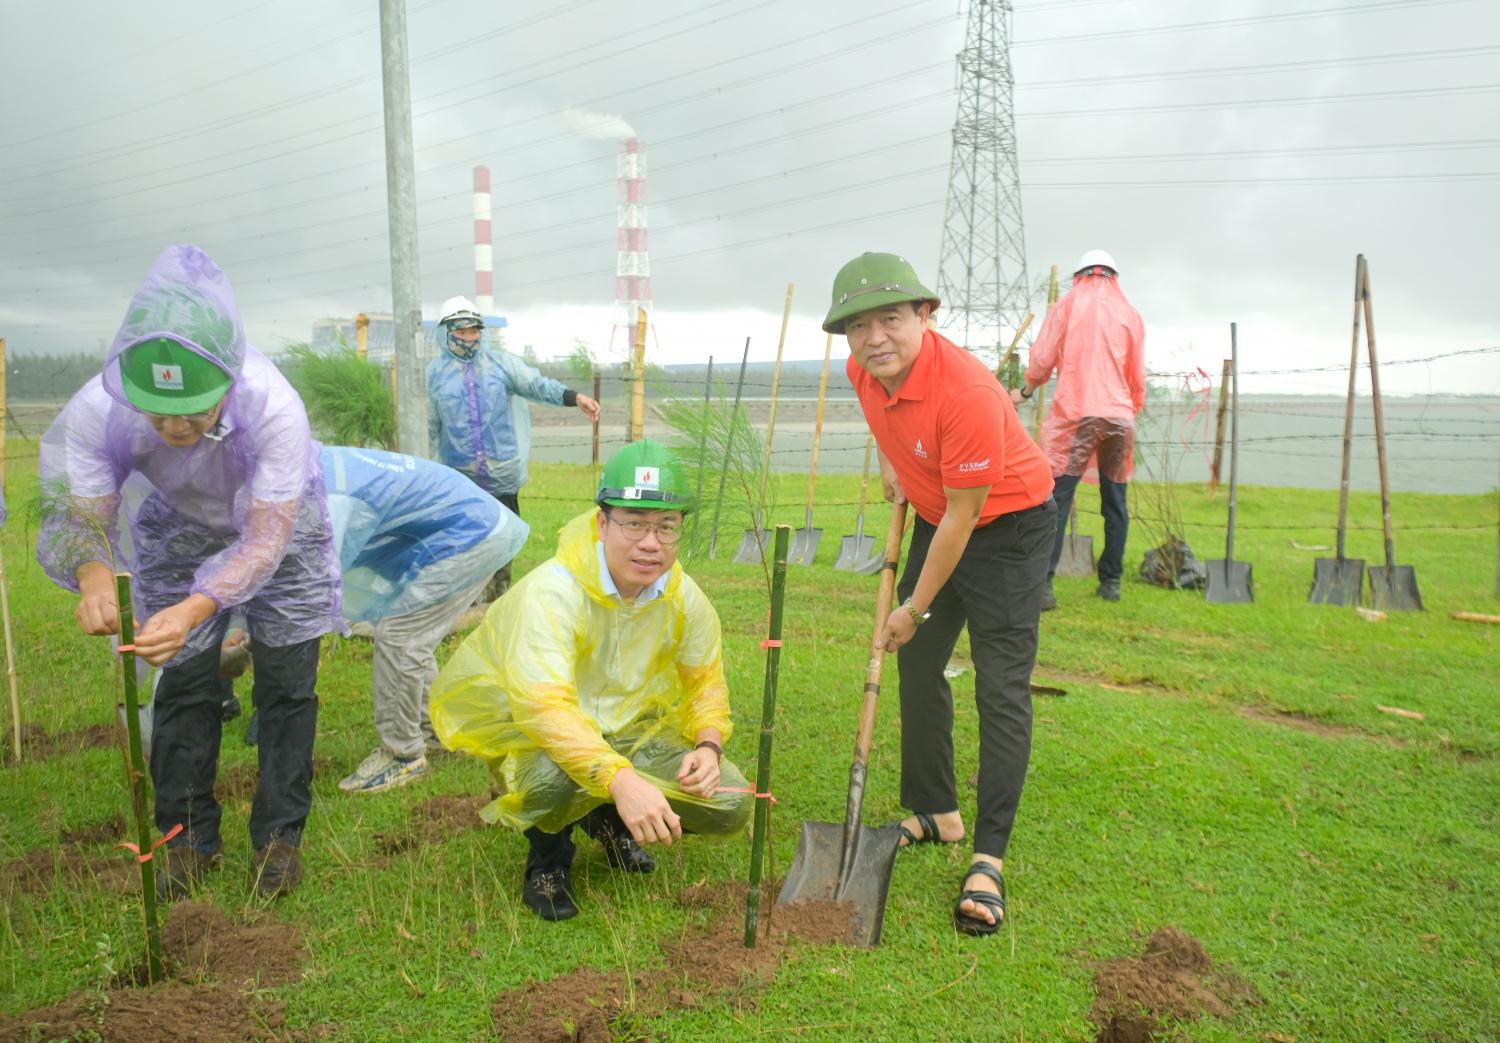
(484, 244)
(632, 265)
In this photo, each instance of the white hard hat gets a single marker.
(455, 308)
(1096, 259)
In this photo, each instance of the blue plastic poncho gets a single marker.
(477, 420)
(411, 532)
(240, 517)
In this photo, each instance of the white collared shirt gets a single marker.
(651, 593)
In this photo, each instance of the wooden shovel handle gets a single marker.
(877, 652)
(812, 471)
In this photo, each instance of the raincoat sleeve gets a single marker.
(1043, 357)
(544, 700)
(434, 418)
(80, 490)
(1135, 363)
(275, 492)
(700, 667)
(529, 383)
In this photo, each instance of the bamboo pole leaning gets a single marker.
(761, 787)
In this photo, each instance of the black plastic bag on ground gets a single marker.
(1175, 566)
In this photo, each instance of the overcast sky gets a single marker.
(1234, 157)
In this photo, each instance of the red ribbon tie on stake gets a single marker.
(151, 853)
(746, 789)
(122, 649)
(771, 643)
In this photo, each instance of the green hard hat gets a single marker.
(873, 280)
(644, 475)
(167, 378)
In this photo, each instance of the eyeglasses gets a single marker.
(635, 530)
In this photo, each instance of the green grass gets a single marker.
(1351, 876)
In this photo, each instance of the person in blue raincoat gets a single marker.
(477, 421)
(417, 542)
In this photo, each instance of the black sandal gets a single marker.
(995, 903)
(930, 834)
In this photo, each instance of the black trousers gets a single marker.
(187, 722)
(1112, 505)
(996, 591)
(549, 851)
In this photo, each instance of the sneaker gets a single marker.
(1049, 599)
(229, 709)
(549, 894)
(383, 770)
(276, 869)
(1109, 590)
(183, 869)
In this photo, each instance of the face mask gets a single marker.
(462, 349)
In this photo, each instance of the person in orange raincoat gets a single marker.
(1095, 341)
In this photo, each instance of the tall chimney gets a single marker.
(632, 265)
(484, 249)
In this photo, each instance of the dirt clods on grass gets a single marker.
(37, 744)
(710, 961)
(209, 960)
(433, 820)
(1140, 997)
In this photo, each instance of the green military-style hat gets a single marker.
(645, 475)
(874, 280)
(167, 378)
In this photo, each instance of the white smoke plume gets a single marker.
(600, 126)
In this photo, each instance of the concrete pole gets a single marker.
(401, 203)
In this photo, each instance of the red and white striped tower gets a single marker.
(484, 248)
(632, 265)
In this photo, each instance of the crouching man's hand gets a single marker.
(699, 774)
(644, 809)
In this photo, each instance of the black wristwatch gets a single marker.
(1026, 391)
(711, 745)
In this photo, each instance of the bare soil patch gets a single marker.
(209, 960)
(707, 963)
(1141, 998)
(1314, 726)
(434, 819)
(37, 744)
(66, 861)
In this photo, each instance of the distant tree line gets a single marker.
(47, 378)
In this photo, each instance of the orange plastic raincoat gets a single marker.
(1095, 340)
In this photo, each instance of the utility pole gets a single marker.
(982, 263)
(401, 203)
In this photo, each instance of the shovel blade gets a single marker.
(752, 549)
(1229, 582)
(804, 546)
(870, 566)
(1077, 556)
(815, 874)
(1337, 581)
(1393, 588)
(854, 551)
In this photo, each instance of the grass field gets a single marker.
(1223, 769)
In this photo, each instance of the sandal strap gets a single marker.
(911, 838)
(987, 869)
(930, 834)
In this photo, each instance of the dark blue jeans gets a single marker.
(1116, 523)
(187, 722)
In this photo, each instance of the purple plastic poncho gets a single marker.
(240, 517)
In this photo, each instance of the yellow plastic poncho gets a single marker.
(563, 685)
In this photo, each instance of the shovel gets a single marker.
(857, 552)
(755, 541)
(1340, 580)
(1078, 551)
(1393, 588)
(805, 540)
(851, 863)
(1229, 580)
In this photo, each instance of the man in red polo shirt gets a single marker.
(951, 444)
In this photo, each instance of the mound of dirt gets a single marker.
(592, 1006)
(435, 818)
(37, 744)
(198, 942)
(1172, 981)
(38, 871)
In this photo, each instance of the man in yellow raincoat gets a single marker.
(595, 689)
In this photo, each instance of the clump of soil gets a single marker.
(591, 1006)
(435, 818)
(111, 830)
(238, 781)
(209, 960)
(37, 744)
(36, 871)
(1172, 981)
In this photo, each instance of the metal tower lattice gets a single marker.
(982, 265)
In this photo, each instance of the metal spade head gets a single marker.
(1337, 581)
(1229, 582)
(816, 876)
(753, 547)
(853, 552)
(804, 546)
(1077, 556)
(1393, 588)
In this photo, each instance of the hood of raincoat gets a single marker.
(187, 298)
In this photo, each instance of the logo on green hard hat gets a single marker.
(644, 475)
(873, 280)
(164, 377)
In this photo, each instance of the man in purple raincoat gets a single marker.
(207, 447)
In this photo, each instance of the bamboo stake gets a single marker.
(762, 784)
(765, 464)
(136, 777)
(10, 642)
(1476, 617)
(708, 387)
(1010, 352)
(362, 335)
(1039, 396)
